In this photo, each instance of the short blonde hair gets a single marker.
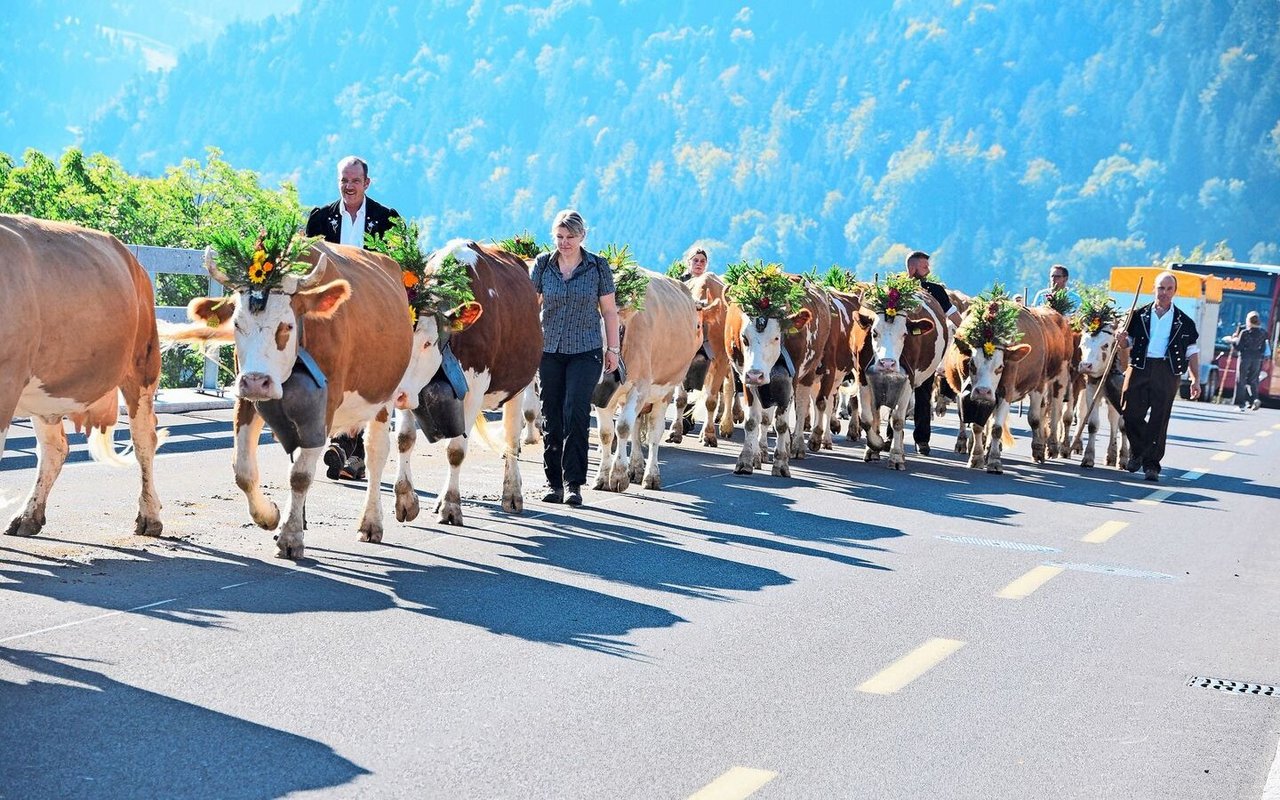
(693, 251)
(571, 221)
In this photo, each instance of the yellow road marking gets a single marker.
(1104, 532)
(1276, 427)
(1194, 474)
(1244, 443)
(1157, 496)
(1028, 583)
(735, 784)
(1263, 433)
(911, 666)
(1223, 456)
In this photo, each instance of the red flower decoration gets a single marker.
(764, 302)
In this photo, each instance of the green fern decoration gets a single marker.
(523, 245)
(629, 281)
(899, 294)
(992, 321)
(763, 290)
(261, 259)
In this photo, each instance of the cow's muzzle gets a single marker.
(258, 386)
(984, 394)
(887, 366)
(754, 377)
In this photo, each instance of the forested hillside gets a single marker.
(1001, 136)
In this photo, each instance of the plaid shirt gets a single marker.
(571, 308)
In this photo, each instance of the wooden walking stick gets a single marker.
(1222, 379)
(1106, 372)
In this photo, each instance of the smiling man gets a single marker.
(346, 221)
(1163, 339)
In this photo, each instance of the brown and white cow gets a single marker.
(895, 354)
(498, 354)
(717, 383)
(77, 322)
(1060, 388)
(777, 361)
(1095, 349)
(986, 385)
(325, 355)
(658, 342)
(838, 364)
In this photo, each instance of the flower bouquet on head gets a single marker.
(1096, 310)
(992, 322)
(523, 245)
(763, 290)
(840, 279)
(1060, 300)
(899, 295)
(678, 269)
(260, 259)
(429, 289)
(629, 281)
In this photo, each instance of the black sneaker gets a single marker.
(554, 496)
(353, 470)
(334, 459)
(1132, 464)
(574, 498)
(922, 448)
(1151, 474)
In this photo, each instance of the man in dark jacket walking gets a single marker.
(346, 221)
(1163, 341)
(921, 431)
(1251, 349)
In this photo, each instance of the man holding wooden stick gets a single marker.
(1163, 341)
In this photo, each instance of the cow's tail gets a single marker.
(101, 443)
(198, 336)
(481, 429)
(1006, 436)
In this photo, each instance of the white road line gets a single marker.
(89, 619)
(1244, 443)
(1272, 790)
(1223, 456)
(1262, 433)
(1194, 474)
(735, 784)
(1156, 497)
(911, 666)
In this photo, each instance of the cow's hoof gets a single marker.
(289, 545)
(636, 473)
(871, 455)
(513, 504)
(449, 514)
(726, 431)
(599, 484)
(652, 482)
(816, 444)
(1086, 463)
(742, 468)
(267, 520)
(898, 464)
(407, 506)
(1111, 461)
(675, 437)
(370, 532)
(826, 445)
(781, 469)
(1077, 449)
(23, 525)
(994, 468)
(710, 442)
(147, 526)
(1053, 451)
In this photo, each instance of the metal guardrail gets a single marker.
(180, 261)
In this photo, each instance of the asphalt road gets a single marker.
(851, 632)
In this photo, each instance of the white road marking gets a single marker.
(1104, 532)
(911, 666)
(89, 619)
(1024, 586)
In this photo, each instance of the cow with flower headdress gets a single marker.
(1097, 320)
(900, 337)
(322, 338)
(776, 330)
(1002, 352)
(477, 333)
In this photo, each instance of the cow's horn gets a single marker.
(308, 280)
(215, 273)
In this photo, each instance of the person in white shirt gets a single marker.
(1163, 341)
(346, 221)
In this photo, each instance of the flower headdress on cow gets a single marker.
(259, 262)
(898, 295)
(442, 289)
(992, 322)
(763, 291)
(629, 282)
(523, 245)
(678, 269)
(1060, 300)
(840, 279)
(1096, 310)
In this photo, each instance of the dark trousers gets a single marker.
(567, 382)
(350, 445)
(923, 418)
(1247, 379)
(1148, 403)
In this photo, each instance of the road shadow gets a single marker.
(72, 732)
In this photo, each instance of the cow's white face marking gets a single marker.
(985, 372)
(887, 338)
(760, 350)
(424, 362)
(1094, 349)
(266, 346)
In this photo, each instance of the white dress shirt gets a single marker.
(352, 230)
(1161, 329)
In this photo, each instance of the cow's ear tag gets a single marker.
(257, 299)
(761, 324)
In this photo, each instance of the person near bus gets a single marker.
(1251, 348)
(1163, 346)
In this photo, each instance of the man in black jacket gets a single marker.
(346, 221)
(1164, 344)
(921, 430)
